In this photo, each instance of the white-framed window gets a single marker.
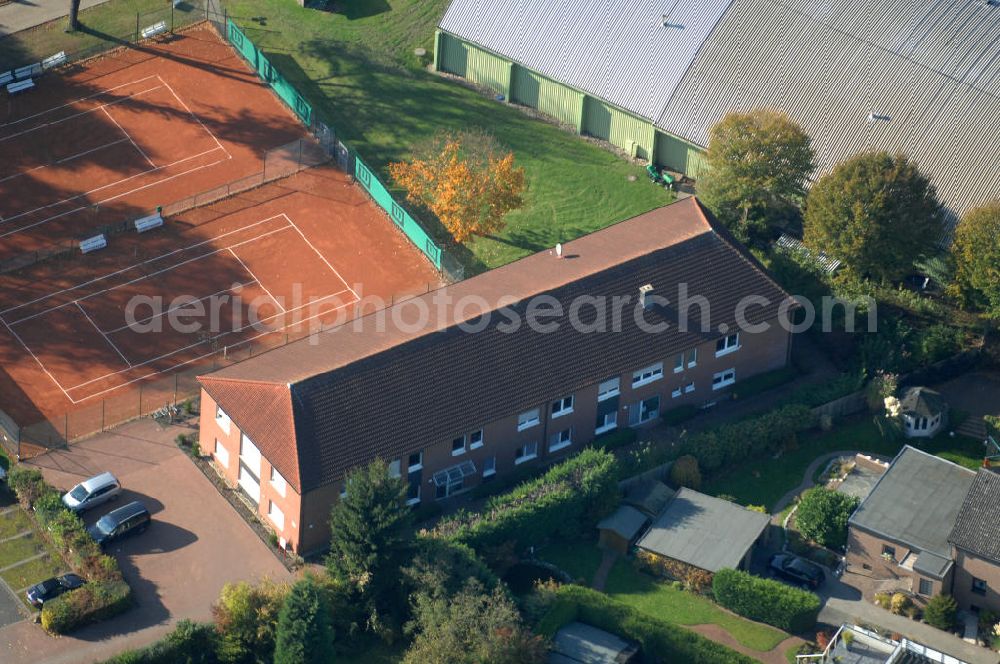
(644, 411)
(562, 406)
(221, 418)
(394, 467)
(926, 587)
(415, 462)
(692, 358)
(561, 440)
(413, 493)
(278, 482)
(608, 389)
(647, 375)
(458, 446)
(723, 379)
(526, 452)
(221, 454)
(527, 419)
(679, 363)
(489, 466)
(727, 344)
(276, 516)
(607, 422)
(676, 393)
(476, 440)
(689, 388)
(250, 455)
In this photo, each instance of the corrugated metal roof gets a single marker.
(830, 72)
(618, 50)
(932, 68)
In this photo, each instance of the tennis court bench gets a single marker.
(155, 29)
(54, 60)
(6, 77)
(20, 86)
(148, 223)
(93, 244)
(28, 71)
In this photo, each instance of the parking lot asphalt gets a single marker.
(195, 544)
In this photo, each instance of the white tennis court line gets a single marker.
(195, 359)
(263, 287)
(322, 257)
(101, 332)
(63, 160)
(77, 115)
(169, 310)
(128, 136)
(77, 101)
(34, 357)
(111, 198)
(137, 265)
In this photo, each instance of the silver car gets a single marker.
(93, 492)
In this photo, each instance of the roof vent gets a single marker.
(646, 296)
(872, 117)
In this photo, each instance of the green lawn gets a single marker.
(20, 548)
(579, 559)
(13, 522)
(765, 481)
(34, 571)
(660, 600)
(360, 71)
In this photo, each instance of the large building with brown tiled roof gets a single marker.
(455, 387)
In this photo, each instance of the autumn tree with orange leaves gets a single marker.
(464, 178)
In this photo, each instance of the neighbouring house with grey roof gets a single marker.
(930, 526)
(924, 412)
(705, 532)
(652, 78)
(619, 529)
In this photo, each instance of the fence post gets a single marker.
(137, 27)
(140, 399)
(103, 404)
(171, 16)
(66, 429)
(176, 380)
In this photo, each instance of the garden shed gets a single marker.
(581, 643)
(924, 412)
(704, 532)
(619, 530)
(650, 498)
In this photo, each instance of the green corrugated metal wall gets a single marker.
(546, 95)
(589, 115)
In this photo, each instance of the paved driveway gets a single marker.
(195, 544)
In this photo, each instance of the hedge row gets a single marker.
(660, 641)
(730, 443)
(567, 500)
(189, 643)
(106, 593)
(766, 600)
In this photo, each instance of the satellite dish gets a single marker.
(559, 249)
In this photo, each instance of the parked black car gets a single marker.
(127, 520)
(48, 589)
(797, 570)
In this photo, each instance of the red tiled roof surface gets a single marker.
(367, 389)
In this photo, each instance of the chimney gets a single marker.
(646, 296)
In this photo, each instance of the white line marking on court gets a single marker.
(29, 351)
(101, 332)
(263, 287)
(136, 265)
(77, 101)
(196, 118)
(128, 136)
(169, 310)
(322, 257)
(111, 184)
(62, 161)
(76, 115)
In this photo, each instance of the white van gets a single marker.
(90, 493)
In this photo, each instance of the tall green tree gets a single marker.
(876, 212)
(822, 516)
(472, 625)
(758, 165)
(976, 252)
(369, 543)
(245, 618)
(304, 634)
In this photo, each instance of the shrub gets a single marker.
(615, 439)
(678, 415)
(246, 617)
(27, 484)
(766, 600)
(189, 643)
(822, 516)
(766, 381)
(883, 600)
(505, 482)
(690, 577)
(685, 473)
(568, 499)
(660, 641)
(97, 600)
(899, 603)
(941, 612)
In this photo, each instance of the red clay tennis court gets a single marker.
(115, 138)
(107, 142)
